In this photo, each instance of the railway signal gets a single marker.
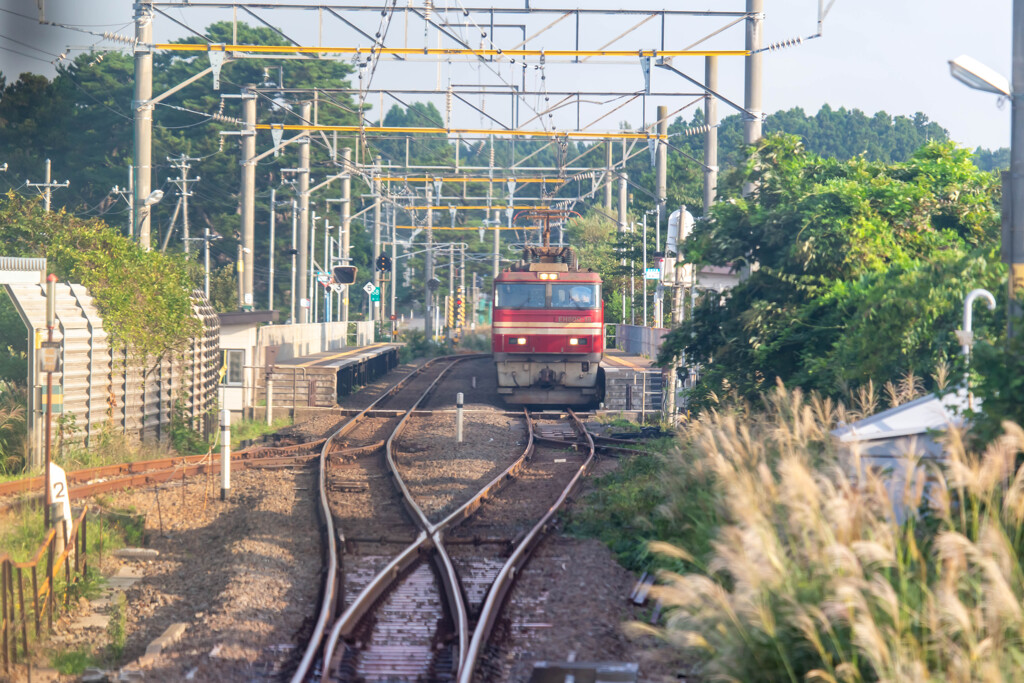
(383, 263)
(345, 275)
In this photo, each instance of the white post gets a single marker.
(966, 335)
(225, 453)
(458, 417)
(270, 399)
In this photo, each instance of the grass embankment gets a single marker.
(789, 567)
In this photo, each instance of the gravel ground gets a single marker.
(443, 474)
(460, 378)
(244, 575)
(572, 597)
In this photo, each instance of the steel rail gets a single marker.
(331, 576)
(503, 582)
(86, 475)
(432, 536)
(380, 583)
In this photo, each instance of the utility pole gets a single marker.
(47, 186)
(143, 112)
(1013, 250)
(428, 317)
(273, 237)
(206, 261)
(393, 213)
(711, 136)
(248, 194)
(346, 224)
(753, 74)
(608, 175)
(496, 255)
(451, 285)
(623, 178)
(295, 218)
(304, 293)
(661, 172)
(182, 182)
(376, 235)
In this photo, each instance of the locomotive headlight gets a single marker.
(520, 340)
(573, 341)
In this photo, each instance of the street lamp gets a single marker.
(976, 75)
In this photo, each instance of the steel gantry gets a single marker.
(497, 47)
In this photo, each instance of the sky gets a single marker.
(873, 55)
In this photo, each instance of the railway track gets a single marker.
(417, 596)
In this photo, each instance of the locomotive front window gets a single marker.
(574, 295)
(516, 296)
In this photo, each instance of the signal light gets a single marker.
(383, 263)
(344, 275)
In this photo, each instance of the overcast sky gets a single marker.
(875, 54)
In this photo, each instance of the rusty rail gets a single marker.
(503, 582)
(332, 535)
(15, 617)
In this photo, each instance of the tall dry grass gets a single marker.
(810, 575)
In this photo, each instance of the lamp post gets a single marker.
(976, 75)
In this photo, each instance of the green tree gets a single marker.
(858, 268)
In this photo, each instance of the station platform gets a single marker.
(320, 379)
(631, 382)
(616, 358)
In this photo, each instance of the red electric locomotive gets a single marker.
(548, 329)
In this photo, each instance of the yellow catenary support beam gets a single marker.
(483, 207)
(424, 179)
(442, 52)
(469, 228)
(464, 131)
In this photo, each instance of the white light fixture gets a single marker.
(154, 198)
(976, 75)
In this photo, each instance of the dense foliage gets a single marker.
(143, 296)
(858, 269)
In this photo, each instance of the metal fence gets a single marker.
(40, 582)
(104, 390)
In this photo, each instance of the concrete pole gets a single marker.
(661, 168)
(270, 254)
(239, 270)
(622, 228)
(184, 207)
(710, 137)
(1014, 251)
(753, 74)
(131, 201)
(608, 176)
(248, 192)
(451, 284)
(428, 317)
(376, 237)
(143, 111)
(393, 215)
(295, 229)
(206, 261)
(303, 265)
(346, 223)
(496, 254)
(46, 192)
